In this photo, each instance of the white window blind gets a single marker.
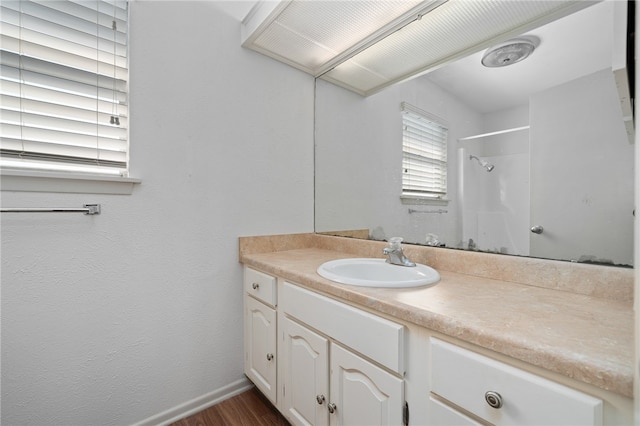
(63, 85)
(424, 154)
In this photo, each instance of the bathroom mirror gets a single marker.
(552, 126)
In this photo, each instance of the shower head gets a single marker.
(483, 163)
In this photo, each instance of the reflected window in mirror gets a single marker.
(424, 154)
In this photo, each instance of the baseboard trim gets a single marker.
(197, 404)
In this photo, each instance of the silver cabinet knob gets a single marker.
(320, 399)
(493, 399)
(332, 408)
(269, 357)
(537, 229)
(255, 286)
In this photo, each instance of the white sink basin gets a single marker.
(369, 272)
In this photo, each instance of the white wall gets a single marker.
(577, 139)
(112, 319)
(359, 161)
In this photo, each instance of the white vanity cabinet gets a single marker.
(324, 382)
(466, 386)
(260, 333)
(324, 362)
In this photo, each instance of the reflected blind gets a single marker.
(424, 153)
(63, 85)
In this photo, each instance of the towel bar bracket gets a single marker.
(92, 208)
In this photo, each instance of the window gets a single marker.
(63, 86)
(424, 154)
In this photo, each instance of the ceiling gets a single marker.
(237, 9)
(571, 47)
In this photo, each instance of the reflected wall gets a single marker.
(358, 157)
(571, 172)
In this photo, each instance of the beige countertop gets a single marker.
(580, 336)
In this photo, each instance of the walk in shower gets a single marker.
(494, 191)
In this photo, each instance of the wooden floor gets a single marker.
(249, 408)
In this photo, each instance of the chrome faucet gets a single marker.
(395, 253)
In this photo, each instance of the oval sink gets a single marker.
(369, 272)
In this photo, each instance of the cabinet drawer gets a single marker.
(260, 285)
(464, 378)
(377, 338)
(443, 415)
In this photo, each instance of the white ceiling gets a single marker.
(571, 47)
(237, 9)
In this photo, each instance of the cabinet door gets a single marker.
(260, 346)
(362, 393)
(305, 363)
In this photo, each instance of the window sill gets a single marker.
(35, 181)
(418, 200)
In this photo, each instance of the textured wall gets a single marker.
(114, 318)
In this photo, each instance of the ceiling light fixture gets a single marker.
(509, 52)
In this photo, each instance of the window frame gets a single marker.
(57, 176)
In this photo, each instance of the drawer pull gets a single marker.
(493, 399)
(332, 408)
(320, 399)
(255, 286)
(269, 357)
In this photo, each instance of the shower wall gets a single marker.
(495, 204)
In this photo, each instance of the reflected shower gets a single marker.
(483, 163)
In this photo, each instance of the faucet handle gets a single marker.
(395, 253)
(395, 243)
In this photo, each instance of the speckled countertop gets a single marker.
(567, 326)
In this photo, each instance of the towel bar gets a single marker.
(86, 209)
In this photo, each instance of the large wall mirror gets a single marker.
(553, 127)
